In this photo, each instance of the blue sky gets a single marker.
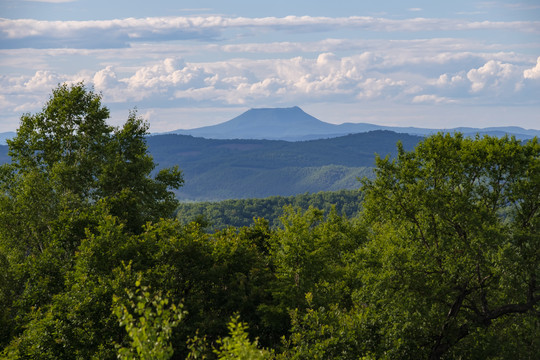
(187, 64)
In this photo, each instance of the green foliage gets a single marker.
(239, 213)
(330, 333)
(311, 254)
(149, 321)
(69, 171)
(455, 241)
(68, 153)
(66, 140)
(238, 346)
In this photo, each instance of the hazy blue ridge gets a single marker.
(293, 124)
(238, 169)
(5, 136)
(217, 169)
(4, 157)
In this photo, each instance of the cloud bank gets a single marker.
(360, 77)
(17, 33)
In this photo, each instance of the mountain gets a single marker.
(293, 124)
(267, 123)
(4, 157)
(6, 135)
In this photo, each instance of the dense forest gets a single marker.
(441, 262)
(242, 212)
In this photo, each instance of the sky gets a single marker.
(192, 63)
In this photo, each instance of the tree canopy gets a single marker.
(456, 240)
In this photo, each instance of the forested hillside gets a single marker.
(239, 169)
(242, 212)
(442, 262)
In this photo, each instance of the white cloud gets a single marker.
(494, 75)
(431, 99)
(449, 80)
(533, 73)
(118, 32)
(42, 80)
(366, 77)
(105, 79)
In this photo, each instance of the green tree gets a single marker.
(310, 254)
(149, 321)
(238, 346)
(70, 145)
(68, 170)
(455, 245)
(330, 332)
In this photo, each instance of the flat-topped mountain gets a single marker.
(293, 124)
(266, 123)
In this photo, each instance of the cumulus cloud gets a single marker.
(246, 81)
(365, 77)
(105, 79)
(297, 79)
(446, 80)
(494, 75)
(41, 80)
(533, 73)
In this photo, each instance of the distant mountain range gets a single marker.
(293, 124)
(233, 160)
(6, 135)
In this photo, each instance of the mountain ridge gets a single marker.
(219, 169)
(294, 124)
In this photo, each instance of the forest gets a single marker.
(438, 257)
(241, 212)
(216, 169)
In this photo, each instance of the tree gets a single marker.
(455, 244)
(149, 321)
(69, 147)
(238, 346)
(310, 254)
(68, 171)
